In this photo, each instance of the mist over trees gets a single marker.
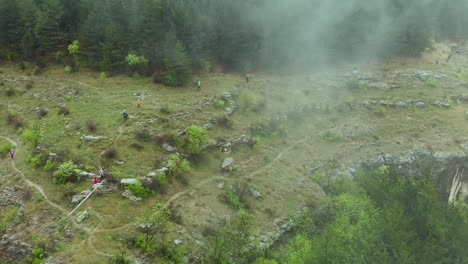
(181, 35)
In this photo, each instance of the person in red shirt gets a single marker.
(95, 182)
(138, 103)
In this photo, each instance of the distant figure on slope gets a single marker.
(95, 182)
(199, 84)
(138, 103)
(101, 173)
(12, 153)
(247, 78)
(125, 115)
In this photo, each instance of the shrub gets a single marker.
(50, 165)
(36, 160)
(333, 136)
(165, 110)
(111, 153)
(6, 147)
(103, 75)
(42, 112)
(177, 165)
(219, 103)
(10, 92)
(33, 136)
(235, 194)
(8, 218)
(16, 120)
(66, 172)
(139, 190)
(225, 121)
(143, 135)
(92, 126)
(68, 69)
(248, 100)
(63, 110)
(196, 139)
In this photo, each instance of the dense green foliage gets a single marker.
(197, 137)
(176, 36)
(67, 171)
(382, 217)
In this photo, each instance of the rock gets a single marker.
(255, 193)
(10, 196)
(229, 111)
(128, 194)
(163, 170)
(82, 216)
(87, 174)
(420, 104)
(128, 181)
(177, 241)
(208, 126)
(91, 138)
(14, 251)
(379, 85)
(221, 185)
(120, 162)
(227, 95)
(228, 162)
(422, 75)
(79, 197)
(445, 105)
(440, 76)
(168, 147)
(225, 147)
(401, 104)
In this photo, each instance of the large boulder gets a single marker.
(128, 181)
(227, 163)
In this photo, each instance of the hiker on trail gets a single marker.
(101, 173)
(247, 77)
(12, 153)
(125, 115)
(95, 182)
(199, 84)
(138, 103)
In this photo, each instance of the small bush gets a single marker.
(103, 75)
(16, 120)
(36, 160)
(177, 165)
(50, 165)
(143, 135)
(220, 104)
(66, 172)
(248, 100)
(68, 190)
(42, 112)
(33, 136)
(165, 110)
(68, 69)
(235, 195)
(225, 121)
(169, 138)
(5, 148)
(10, 92)
(63, 110)
(333, 136)
(91, 126)
(196, 139)
(139, 190)
(111, 153)
(29, 85)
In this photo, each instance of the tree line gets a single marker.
(176, 37)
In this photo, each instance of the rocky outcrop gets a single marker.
(10, 196)
(14, 251)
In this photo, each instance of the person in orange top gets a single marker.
(138, 103)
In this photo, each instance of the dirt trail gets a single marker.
(32, 184)
(273, 162)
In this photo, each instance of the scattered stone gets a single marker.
(14, 251)
(227, 95)
(228, 162)
(91, 138)
(445, 105)
(177, 241)
(401, 104)
(229, 111)
(79, 197)
(255, 193)
(208, 126)
(420, 104)
(221, 185)
(10, 196)
(128, 181)
(128, 194)
(168, 147)
(379, 85)
(87, 174)
(120, 162)
(82, 216)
